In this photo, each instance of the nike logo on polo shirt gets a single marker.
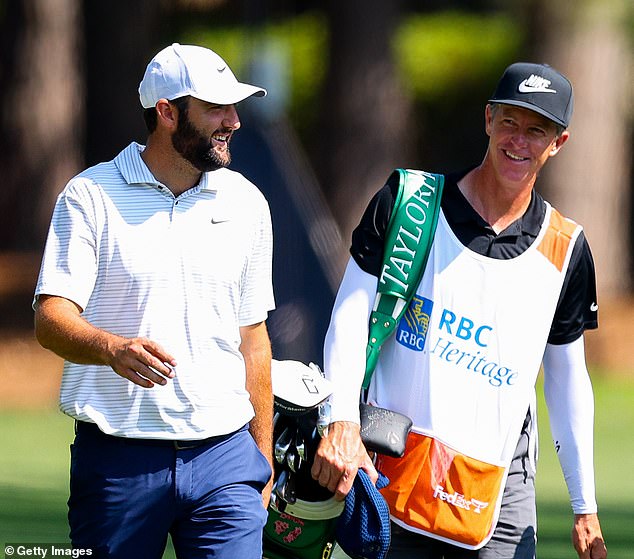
(535, 84)
(219, 219)
(221, 69)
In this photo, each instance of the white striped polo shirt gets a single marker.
(185, 271)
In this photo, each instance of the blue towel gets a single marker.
(363, 529)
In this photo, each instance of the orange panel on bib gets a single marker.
(437, 490)
(555, 243)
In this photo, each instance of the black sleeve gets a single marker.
(577, 308)
(368, 238)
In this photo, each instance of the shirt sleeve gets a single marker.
(568, 393)
(69, 264)
(346, 341)
(577, 308)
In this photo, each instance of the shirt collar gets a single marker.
(135, 171)
(460, 211)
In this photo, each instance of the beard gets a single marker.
(197, 148)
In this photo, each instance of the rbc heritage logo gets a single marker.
(412, 329)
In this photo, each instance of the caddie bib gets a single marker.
(462, 365)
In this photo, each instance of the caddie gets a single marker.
(509, 286)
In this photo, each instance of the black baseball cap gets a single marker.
(537, 87)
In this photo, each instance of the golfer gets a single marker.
(154, 288)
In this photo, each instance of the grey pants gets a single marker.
(515, 532)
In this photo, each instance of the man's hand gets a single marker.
(339, 455)
(587, 537)
(141, 361)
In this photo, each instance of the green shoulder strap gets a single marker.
(408, 240)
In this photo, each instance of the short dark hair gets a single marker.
(150, 117)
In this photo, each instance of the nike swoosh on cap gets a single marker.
(526, 87)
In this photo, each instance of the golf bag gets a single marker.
(302, 515)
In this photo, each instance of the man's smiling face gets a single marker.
(204, 132)
(520, 141)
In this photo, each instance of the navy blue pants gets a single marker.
(126, 496)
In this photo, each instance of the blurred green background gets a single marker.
(355, 89)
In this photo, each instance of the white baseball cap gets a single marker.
(180, 70)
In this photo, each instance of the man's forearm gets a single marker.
(60, 328)
(256, 349)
